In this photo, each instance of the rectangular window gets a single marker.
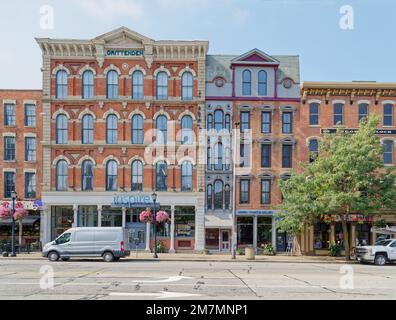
(265, 191)
(338, 110)
(388, 115)
(9, 148)
(30, 149)
(363, 111)
(184, 222)
(388, 152)
(287, 156)
(9, 114)
(266, 155)
(244, 192)
(30, 185)
(9, 184)
(266, 122)
(245, 121)
(287, 122)
(314, 114)
(244, 155)
(30, 115)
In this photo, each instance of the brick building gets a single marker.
(20, 156)
(324, 104)
(122, 117)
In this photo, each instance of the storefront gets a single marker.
(67, 210)
(218, 232)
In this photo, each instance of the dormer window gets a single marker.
(262, 83)
(246, 83)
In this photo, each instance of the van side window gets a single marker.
(393, 245)
(64, 238)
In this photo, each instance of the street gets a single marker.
(96, 280)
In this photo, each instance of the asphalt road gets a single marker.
(85, 280)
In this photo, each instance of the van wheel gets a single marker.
(108, 257)
(380, 260)
(53, 256)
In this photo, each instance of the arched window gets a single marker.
(187, 86)
(187, 130)
(218, 195)
(112, 129)
(209, 197)
(62, 176)
(218, 120)
(262, 83)
(61, 84)
(227, 197)
(228, 122)
(137, 129)
(186, 176)
(88, 85)
(137, 85)
(111, 175)
(246, 83)
(112, 85)
(137, 176)
(87, 129)
(87, 175)
(313, 149)
(61, 129)
(219, 156)
(210, 122)
(162, 130)
(162, 86)
(388, 152)
(161, 176)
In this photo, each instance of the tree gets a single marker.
(347, 177)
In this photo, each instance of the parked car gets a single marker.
(109, 243)
(382, 252)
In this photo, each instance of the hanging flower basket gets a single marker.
(20, 211)
(163, 217)
(146, 216)
(5, 211)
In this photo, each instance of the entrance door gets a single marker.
(137, 236)
(225, 240)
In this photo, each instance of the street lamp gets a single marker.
(234, 220)
(13, 197)
(154, 197)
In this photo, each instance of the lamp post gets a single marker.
(154, 197)
(13, 197)
(234, 220)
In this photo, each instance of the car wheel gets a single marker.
(53, 256)
(380, 260)
(108, 257)
(65, 259)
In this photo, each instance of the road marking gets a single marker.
(170, 279)
(158, 295)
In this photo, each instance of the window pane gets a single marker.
(262, 83)
(266, 156)
(112, 129)
(244, 191)
(388, 115)
(363, 111)
(388, 153)
(9, 114)
(187, 130)
(314, 114)
(138, 85)
(112, 176)
(87, 129)
(137, 176)
(112, 84)
(287, 122)
(137, 129)
(9, 184)
(187, 176)
(287, 156)
(30, 185)
(187, 86)
(162, 86)
(30, 149)
(61, 129)
(88, 85)
(30, 115)
(162, 130)
(62, 176)
(161, 176)
(266, 191)
(338, 114)
(266, 122)
(61, 84)
(87, 175)
(218, 195)
(9, 148)
(246, 83)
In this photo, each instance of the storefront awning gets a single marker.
(218, 221)
(25, 221)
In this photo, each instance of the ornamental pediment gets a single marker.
(255, 56)
(124, 38)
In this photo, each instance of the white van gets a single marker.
(108, 243)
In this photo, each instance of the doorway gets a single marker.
(137, 236)
(225, 240)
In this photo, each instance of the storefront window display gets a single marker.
(87, 216)
(61, 220)
(212, 239)
(321, 235)
(245, 230)
(264, 231)
(184, 222)
(111, 217)
(363, 234)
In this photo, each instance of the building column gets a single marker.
(172, 231)
(311, 238)
(373, 237)
(255, 233)
(75, 216)
(45, 225)
(352, 238)
(123, 217)
(332, 234)
(273, 235)
(99, 215)
(303, 238)
(148, 227)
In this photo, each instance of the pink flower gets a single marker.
(5, 211)
(20, 213)
(146, 216)
(162, 217)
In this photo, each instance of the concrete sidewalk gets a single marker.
(143, 256)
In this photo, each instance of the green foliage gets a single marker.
(240, 252)
(268, 249)
(160, 246)
(335, 250)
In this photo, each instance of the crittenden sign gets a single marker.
(124, 53)
(132, 201)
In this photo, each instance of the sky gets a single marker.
(334, 42)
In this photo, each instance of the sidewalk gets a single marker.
(143, 256)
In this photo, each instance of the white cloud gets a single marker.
(111, 9)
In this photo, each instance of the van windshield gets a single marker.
(64, 238)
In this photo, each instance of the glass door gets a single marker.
(137, 236)
(225, 240)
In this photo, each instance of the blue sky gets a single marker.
(308, 28)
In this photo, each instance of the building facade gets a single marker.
(21, 156)
(323, 106)
(122, 113)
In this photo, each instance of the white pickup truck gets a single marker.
(382, 252)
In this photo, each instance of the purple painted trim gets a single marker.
(233, 81)
(252, 99)
(255, 58)
(262, 64)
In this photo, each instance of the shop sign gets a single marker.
(132, 201)
(255, 212)
(124, 53)
(377, 131)
(28, 205)
(351, 218)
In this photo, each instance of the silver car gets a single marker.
(109, 243)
